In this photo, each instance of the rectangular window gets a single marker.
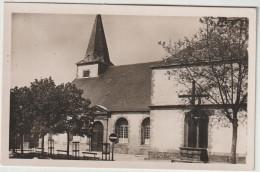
(147, 132)
(86, 73)
(123, 132)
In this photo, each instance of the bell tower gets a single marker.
(96, 59)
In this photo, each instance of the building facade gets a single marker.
(142, 105)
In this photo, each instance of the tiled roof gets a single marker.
(120, 88)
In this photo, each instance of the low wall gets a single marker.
(135, 150)
(155, 155)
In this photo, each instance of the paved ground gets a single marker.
(125, 157)
(129, 157)
(117, 157)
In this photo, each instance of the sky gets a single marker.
(45, 45)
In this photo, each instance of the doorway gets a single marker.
(97, 138)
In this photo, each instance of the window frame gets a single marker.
(84, 71)
(145, 131)
(122, 130)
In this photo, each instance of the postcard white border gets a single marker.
(10, 8)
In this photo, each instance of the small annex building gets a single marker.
(140, 104)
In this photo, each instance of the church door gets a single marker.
(196, 131)
(97, 137)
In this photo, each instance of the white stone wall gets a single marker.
(166, 89)
(134, 134)
(93, 68)
(167, 126)
(167, 134)
(166, 130)
(60, 143)
(134, 125)
(221, 139)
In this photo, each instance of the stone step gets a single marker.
(188, 161)
(193, 154)
(193, 158)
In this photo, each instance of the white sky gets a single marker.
(46, 45)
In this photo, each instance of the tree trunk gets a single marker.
(234, 141)
(42, 144)
(68, 143)
(14, 143)
(21, 136)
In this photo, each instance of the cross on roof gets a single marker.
(194, 95)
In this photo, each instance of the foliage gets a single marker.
(73, 110)
(49, 109)
(44, 105)
(20, 112)
(217, 60)
(74, 113)
(17, 108)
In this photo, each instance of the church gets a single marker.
(141, 105)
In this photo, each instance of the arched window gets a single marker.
(122, 130)
(145, 131)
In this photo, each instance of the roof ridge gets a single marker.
(135, 64)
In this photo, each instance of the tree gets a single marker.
(45, 107)
(217, 60)
(49, 109)
(20, 115)
(74, 115)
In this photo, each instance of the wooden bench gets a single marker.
(90, 153)
(38, 150)
(25, 150)
(61, 151)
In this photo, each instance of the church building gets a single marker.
(140, 103)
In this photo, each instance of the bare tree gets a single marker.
(217, 60)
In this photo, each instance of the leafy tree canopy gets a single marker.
(46, 108)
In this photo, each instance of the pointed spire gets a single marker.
(97, 50)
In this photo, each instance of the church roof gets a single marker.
(120, 88)
(97, 50)
(181, 58)
(187, 57)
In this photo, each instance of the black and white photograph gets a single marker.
(167, 86)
